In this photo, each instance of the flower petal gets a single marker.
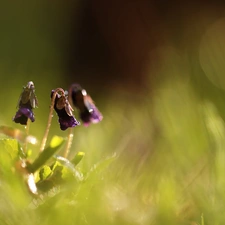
(22, 116)
(65, 120)
(84, 103)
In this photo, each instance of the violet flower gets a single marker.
(64, 112)
(84, 103)
(27, 102)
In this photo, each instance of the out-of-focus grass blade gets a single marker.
(202, 219)
(78, 157)
(93, 176)
(101, 166)
(54, 146)
(65, 162)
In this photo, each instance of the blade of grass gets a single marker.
(45, 155)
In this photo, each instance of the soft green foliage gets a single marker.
(77, 158)
(158, 156)
(55, 144)
(168, 169)
(9, 153)
(45, 172)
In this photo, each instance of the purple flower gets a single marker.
(27, 102)
(64, 112)
(84, 103)
(23, 114)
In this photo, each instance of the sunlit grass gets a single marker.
(157, 158)
(167, 167)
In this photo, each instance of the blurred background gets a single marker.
(156, 71)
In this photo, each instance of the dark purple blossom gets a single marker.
(64, 112)
(27, 102)
(23, 114)
(84, 103)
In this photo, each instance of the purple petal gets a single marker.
(22, 116)
(91, 114)
(65, 120)
(68, 121)
(84, 103)
(96, 116)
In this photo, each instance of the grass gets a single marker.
(153, 162)
(157, 158)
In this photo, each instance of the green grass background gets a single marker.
(167, 141)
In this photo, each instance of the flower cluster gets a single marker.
(77, 96)
(61, 102)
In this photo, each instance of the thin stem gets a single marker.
(68, 143)
(44, 140)
(27, 128)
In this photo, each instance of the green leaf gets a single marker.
(78, 157)
(45, 172)
(9, 150)
(29, 153)
(100, 166)
(53, 180)
(56, 141)
(45, 155)
(93, 176)
(55, 165)
(69, 167)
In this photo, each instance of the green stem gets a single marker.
(44, 140)
(27, 128)
(69, 142)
